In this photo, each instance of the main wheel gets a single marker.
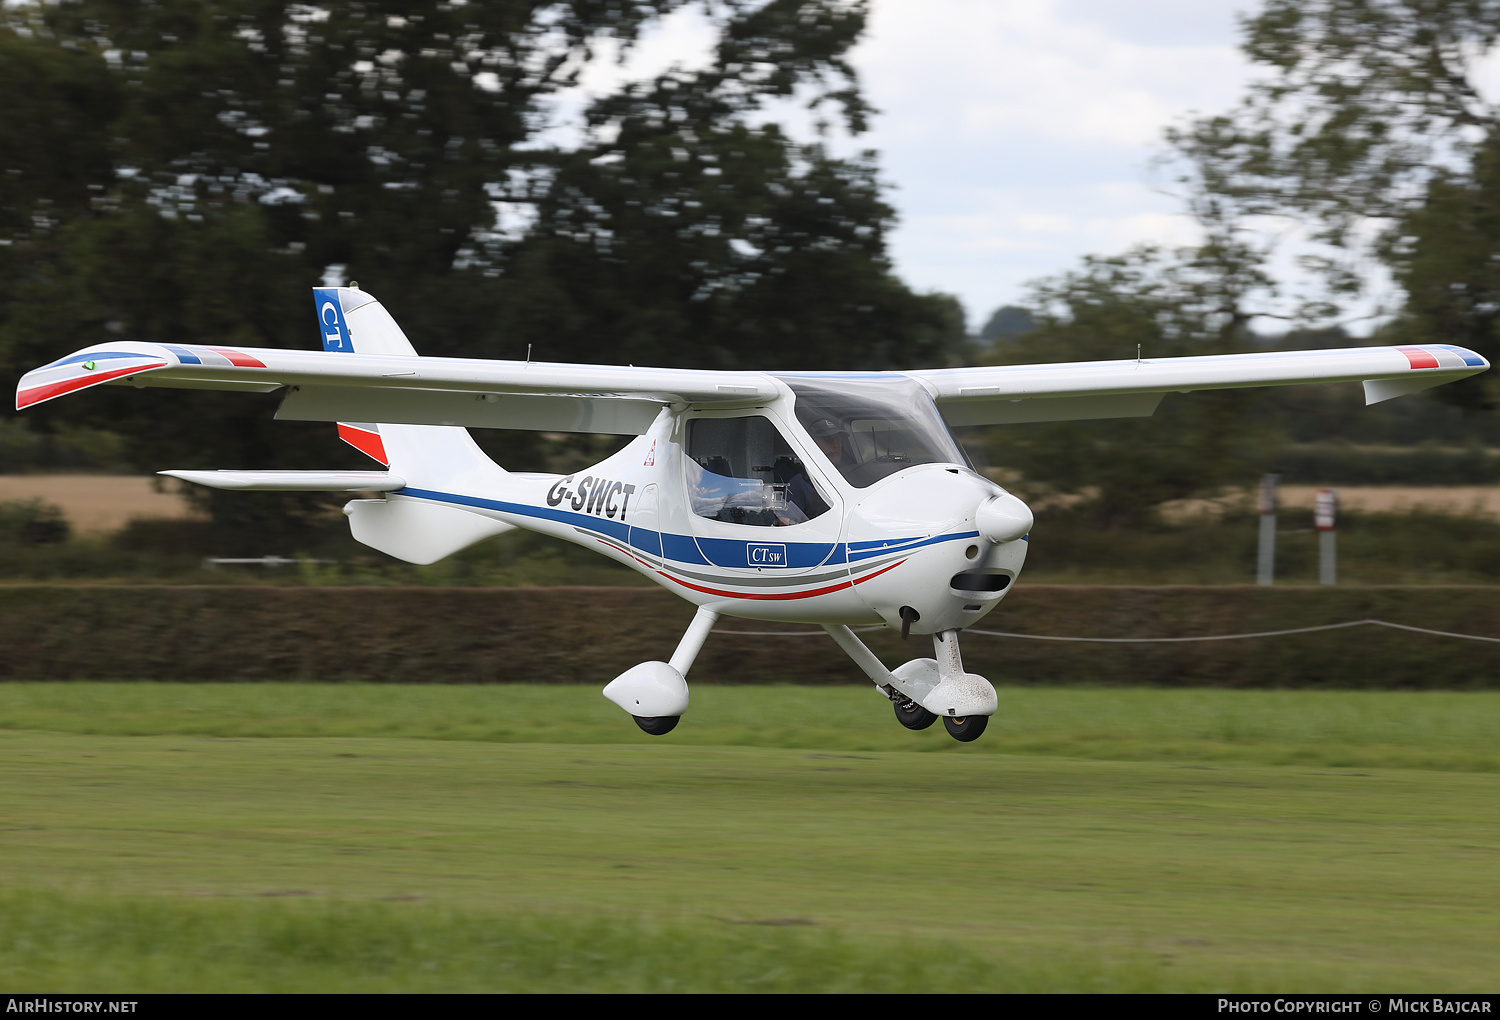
(658, 725)
(912, 715)
(965, 727)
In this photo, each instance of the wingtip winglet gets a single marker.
(43, 384)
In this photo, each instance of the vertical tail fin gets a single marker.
(352, 321)
(435, 458)
(438, 457)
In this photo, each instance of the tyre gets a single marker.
(912, 715)
(657, 725)
(965, 727)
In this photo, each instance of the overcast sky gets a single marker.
(1016, 134)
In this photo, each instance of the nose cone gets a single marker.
(1003, 518)
(912, 543)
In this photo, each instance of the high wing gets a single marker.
(330, 386)
(1125, 389)
(388, 383)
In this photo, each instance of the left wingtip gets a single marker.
(80, 373)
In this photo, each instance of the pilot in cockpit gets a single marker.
(800, 492)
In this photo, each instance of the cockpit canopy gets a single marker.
(741, 470)
(870, 429)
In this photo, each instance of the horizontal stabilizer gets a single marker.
(295, 481)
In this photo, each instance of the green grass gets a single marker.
(1445, 730)
(282, 837)
(342, 946)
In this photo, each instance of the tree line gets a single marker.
(186, 170)
(1370, 135)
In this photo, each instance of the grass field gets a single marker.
(349, 837)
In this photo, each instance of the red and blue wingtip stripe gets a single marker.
(238, 358)
(81, 371)
(1469, 357)
(1428, 356)
(95, 366)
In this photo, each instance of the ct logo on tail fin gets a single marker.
(331, 322)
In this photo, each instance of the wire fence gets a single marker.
(1145, 640)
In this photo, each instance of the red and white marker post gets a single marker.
(1325, 514)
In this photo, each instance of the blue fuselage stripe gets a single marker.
(684, 548)
(614, 529)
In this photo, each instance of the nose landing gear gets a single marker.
(924, 689)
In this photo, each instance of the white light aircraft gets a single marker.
(828, 498)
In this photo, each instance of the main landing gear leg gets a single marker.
(924, 689)
(971, 693)
(908, 713)
(656, 693)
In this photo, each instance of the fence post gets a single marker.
(1265, 564)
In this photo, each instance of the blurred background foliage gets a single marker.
(184, 169)
(1369, 139)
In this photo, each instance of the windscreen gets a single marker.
(872, 428)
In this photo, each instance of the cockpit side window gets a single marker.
(870, 428)
(742, 471)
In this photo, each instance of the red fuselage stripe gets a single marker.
(776, 597)
(742, 595)
(37, 394)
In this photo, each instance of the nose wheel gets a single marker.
(912, 715)
(940, 682)
(965, 727)
(662, 724)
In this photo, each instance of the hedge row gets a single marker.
(589, 635)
